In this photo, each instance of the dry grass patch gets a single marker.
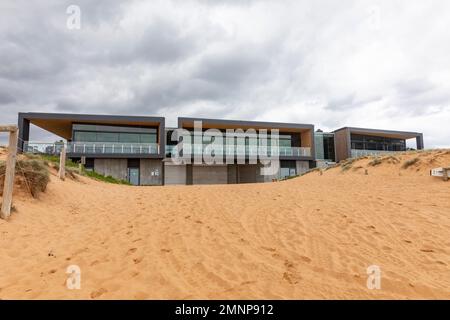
(31, 173)
(410, 162)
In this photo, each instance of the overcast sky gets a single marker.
(376, 64)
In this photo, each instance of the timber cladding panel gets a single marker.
(342, 144)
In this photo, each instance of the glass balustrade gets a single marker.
(92, 148)
(241, 150)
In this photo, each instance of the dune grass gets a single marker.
(108, 179)
(410, 162)
(34, 173)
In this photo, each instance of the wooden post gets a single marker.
(9, 171)
(445, 173)
(81, 165)
(62, 163)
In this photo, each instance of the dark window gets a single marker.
(100, 133)
(366, 142)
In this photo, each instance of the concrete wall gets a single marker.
(301, 166)
(116, 168)
(174, 174)
(250, 173)
(151, 172)
(232, 173)
(209, 174)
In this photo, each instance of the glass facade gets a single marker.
(366, 142)
(287, 169)
(288, 144)
(324, 146)
(99, 133)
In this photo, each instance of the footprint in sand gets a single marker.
(138, 260)
(93, 263)
(289, 274)
(98, 293)
(305, 259)
(131, 251)
(269, 249)
(166, 250)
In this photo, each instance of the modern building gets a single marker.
(139, 149)
(354, 142)
(129, 148)
(296, 153)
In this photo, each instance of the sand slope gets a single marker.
(309, 237)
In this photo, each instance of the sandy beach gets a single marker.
(311, 237)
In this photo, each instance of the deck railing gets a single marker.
(92, 148)
(362, 153)
(248, 150)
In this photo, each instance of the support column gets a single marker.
(419, 142)
(24, 132)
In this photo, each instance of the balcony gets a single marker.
(356, 153)
(90, 148)
(248, 151)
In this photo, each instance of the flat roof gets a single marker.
(61, 123)
(382, 133)
(186, 122)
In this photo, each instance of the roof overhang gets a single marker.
(60, 124)
(188, 123)
(382, 133)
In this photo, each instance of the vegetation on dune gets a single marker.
(33, 172)
(108, 179)
(375, 162)
(347, 164)
(410, 162)
(72, 168)
(53, 159)
(385, 159)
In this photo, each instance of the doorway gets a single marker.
(133, 176)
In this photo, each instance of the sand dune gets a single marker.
(309, 237)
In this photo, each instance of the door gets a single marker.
(133, 176)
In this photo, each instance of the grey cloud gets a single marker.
(234, 59)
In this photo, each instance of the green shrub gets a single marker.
(108, 179)
(55, 160)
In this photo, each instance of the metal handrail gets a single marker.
(78, 147)
(249, 150)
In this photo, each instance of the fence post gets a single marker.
(62, 164)
(9, 174)
(81, 165)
